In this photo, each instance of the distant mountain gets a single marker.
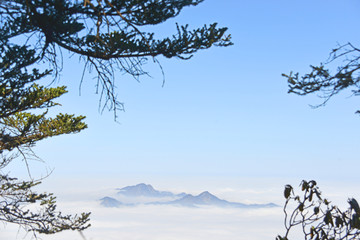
(208, 199)
(146, 190)
(204, 198)
(266, 205)
(110, 202)
(183, 199)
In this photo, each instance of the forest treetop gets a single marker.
(106, 34)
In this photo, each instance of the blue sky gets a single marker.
(223, 122)
(223, 113)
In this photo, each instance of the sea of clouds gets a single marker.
(149, 222)
(169, 223)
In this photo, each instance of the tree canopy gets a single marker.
(20, 129)
(340, 72)
(107, 36)
(317, 218)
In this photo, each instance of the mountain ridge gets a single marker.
(205, 198)
(145, 190)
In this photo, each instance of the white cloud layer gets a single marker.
(172, 223)
(179, 223)
(146, 222)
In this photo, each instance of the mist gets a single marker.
(162, 222)
(170, 223)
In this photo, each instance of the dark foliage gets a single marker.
(326, 82)
(20, 129)
(317, 217)
(106, 34)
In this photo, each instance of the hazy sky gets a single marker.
(225, 112)
(222, 116)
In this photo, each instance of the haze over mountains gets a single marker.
(146, 190)
(155, 197)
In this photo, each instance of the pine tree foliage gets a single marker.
(107, 35)
(20, 129)
(339, 73)
(16, 200)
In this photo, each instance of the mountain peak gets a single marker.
(140, 189)
(145, 190)
(110, 202)
(207, 198)
(203, 199)
(143, 185)
(205, 193)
